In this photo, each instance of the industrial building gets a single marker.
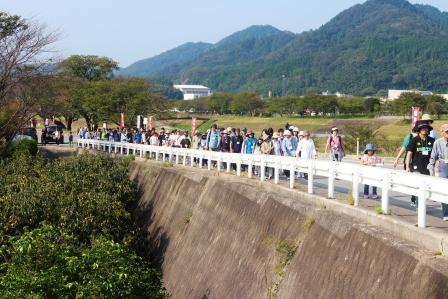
(192, 92)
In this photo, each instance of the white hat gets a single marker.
(301, 133)
(225, 132)
(291, 128)
(287, 133)
(295, 129)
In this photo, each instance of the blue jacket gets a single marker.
(213, 139)
(289, 146)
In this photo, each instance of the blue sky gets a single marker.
(135, 29)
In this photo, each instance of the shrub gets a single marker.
(66, 230)
(48, 263)
(21, 147)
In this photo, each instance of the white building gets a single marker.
(192, 92)
(395, 94)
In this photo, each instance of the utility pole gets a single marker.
(283, 85)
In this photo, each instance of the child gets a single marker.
(70, 139)
(370, 159)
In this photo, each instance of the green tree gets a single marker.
(246, 102)
(404, 104)
(436, 105)
(88, 67)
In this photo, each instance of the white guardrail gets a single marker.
(424, 187)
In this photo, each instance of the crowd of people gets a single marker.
(288, 141)
(423, 153)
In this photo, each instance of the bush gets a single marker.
(21, 147)
(86, 246)
(49, 263)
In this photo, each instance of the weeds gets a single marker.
(378, 210)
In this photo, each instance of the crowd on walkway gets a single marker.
(423, 153)
(288, 141)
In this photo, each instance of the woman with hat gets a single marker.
(426, 118)
(370, 159)
(306, 148)
(419, 152)
(334, 142)
(289, 147)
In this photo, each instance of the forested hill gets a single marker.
(366, 49)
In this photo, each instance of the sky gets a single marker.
(127, 31)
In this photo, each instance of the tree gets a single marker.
(372, 105)
(406, 101)
(284, 105)
(21, 67)
(88, 67)
(436, 105)
(246, 102)
(219, 102)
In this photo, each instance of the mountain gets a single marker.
(368, 48)
(172, 59)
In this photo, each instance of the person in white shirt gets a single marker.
(306, 149)
(154, 139)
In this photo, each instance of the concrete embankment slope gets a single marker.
(227, 237)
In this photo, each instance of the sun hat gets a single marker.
(276, 135)
(369, 147)
(444, 128)
(291, 128)
(427, 117)
(420, 126)
(287, 133)
(306, 133)
(301, 133)
(229, 129)
(250, 132)
(225, 132)
(334, 129)
(295, 129)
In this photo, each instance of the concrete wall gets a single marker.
(226, 237)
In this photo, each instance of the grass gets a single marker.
(167, 164)
(378, 210)
(187, 217)
(309, 222)
(350, 199)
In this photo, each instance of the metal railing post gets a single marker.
(238, 166)
(310, 177)
(385, 194)
(331, 176)
(276, 171)
(291, 175)
(262, 169)
(422, 206)
(356, 188)
(249, 168)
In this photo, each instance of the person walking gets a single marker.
(306, 149)
(334, 142)
(419, 152)
(214, 139)
(267, 148)
(440, 154)
(289, 147)
(426, 118)
(370, 159)
(250, 143)
(404, 145)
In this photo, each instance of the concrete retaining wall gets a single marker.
(228, 237)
